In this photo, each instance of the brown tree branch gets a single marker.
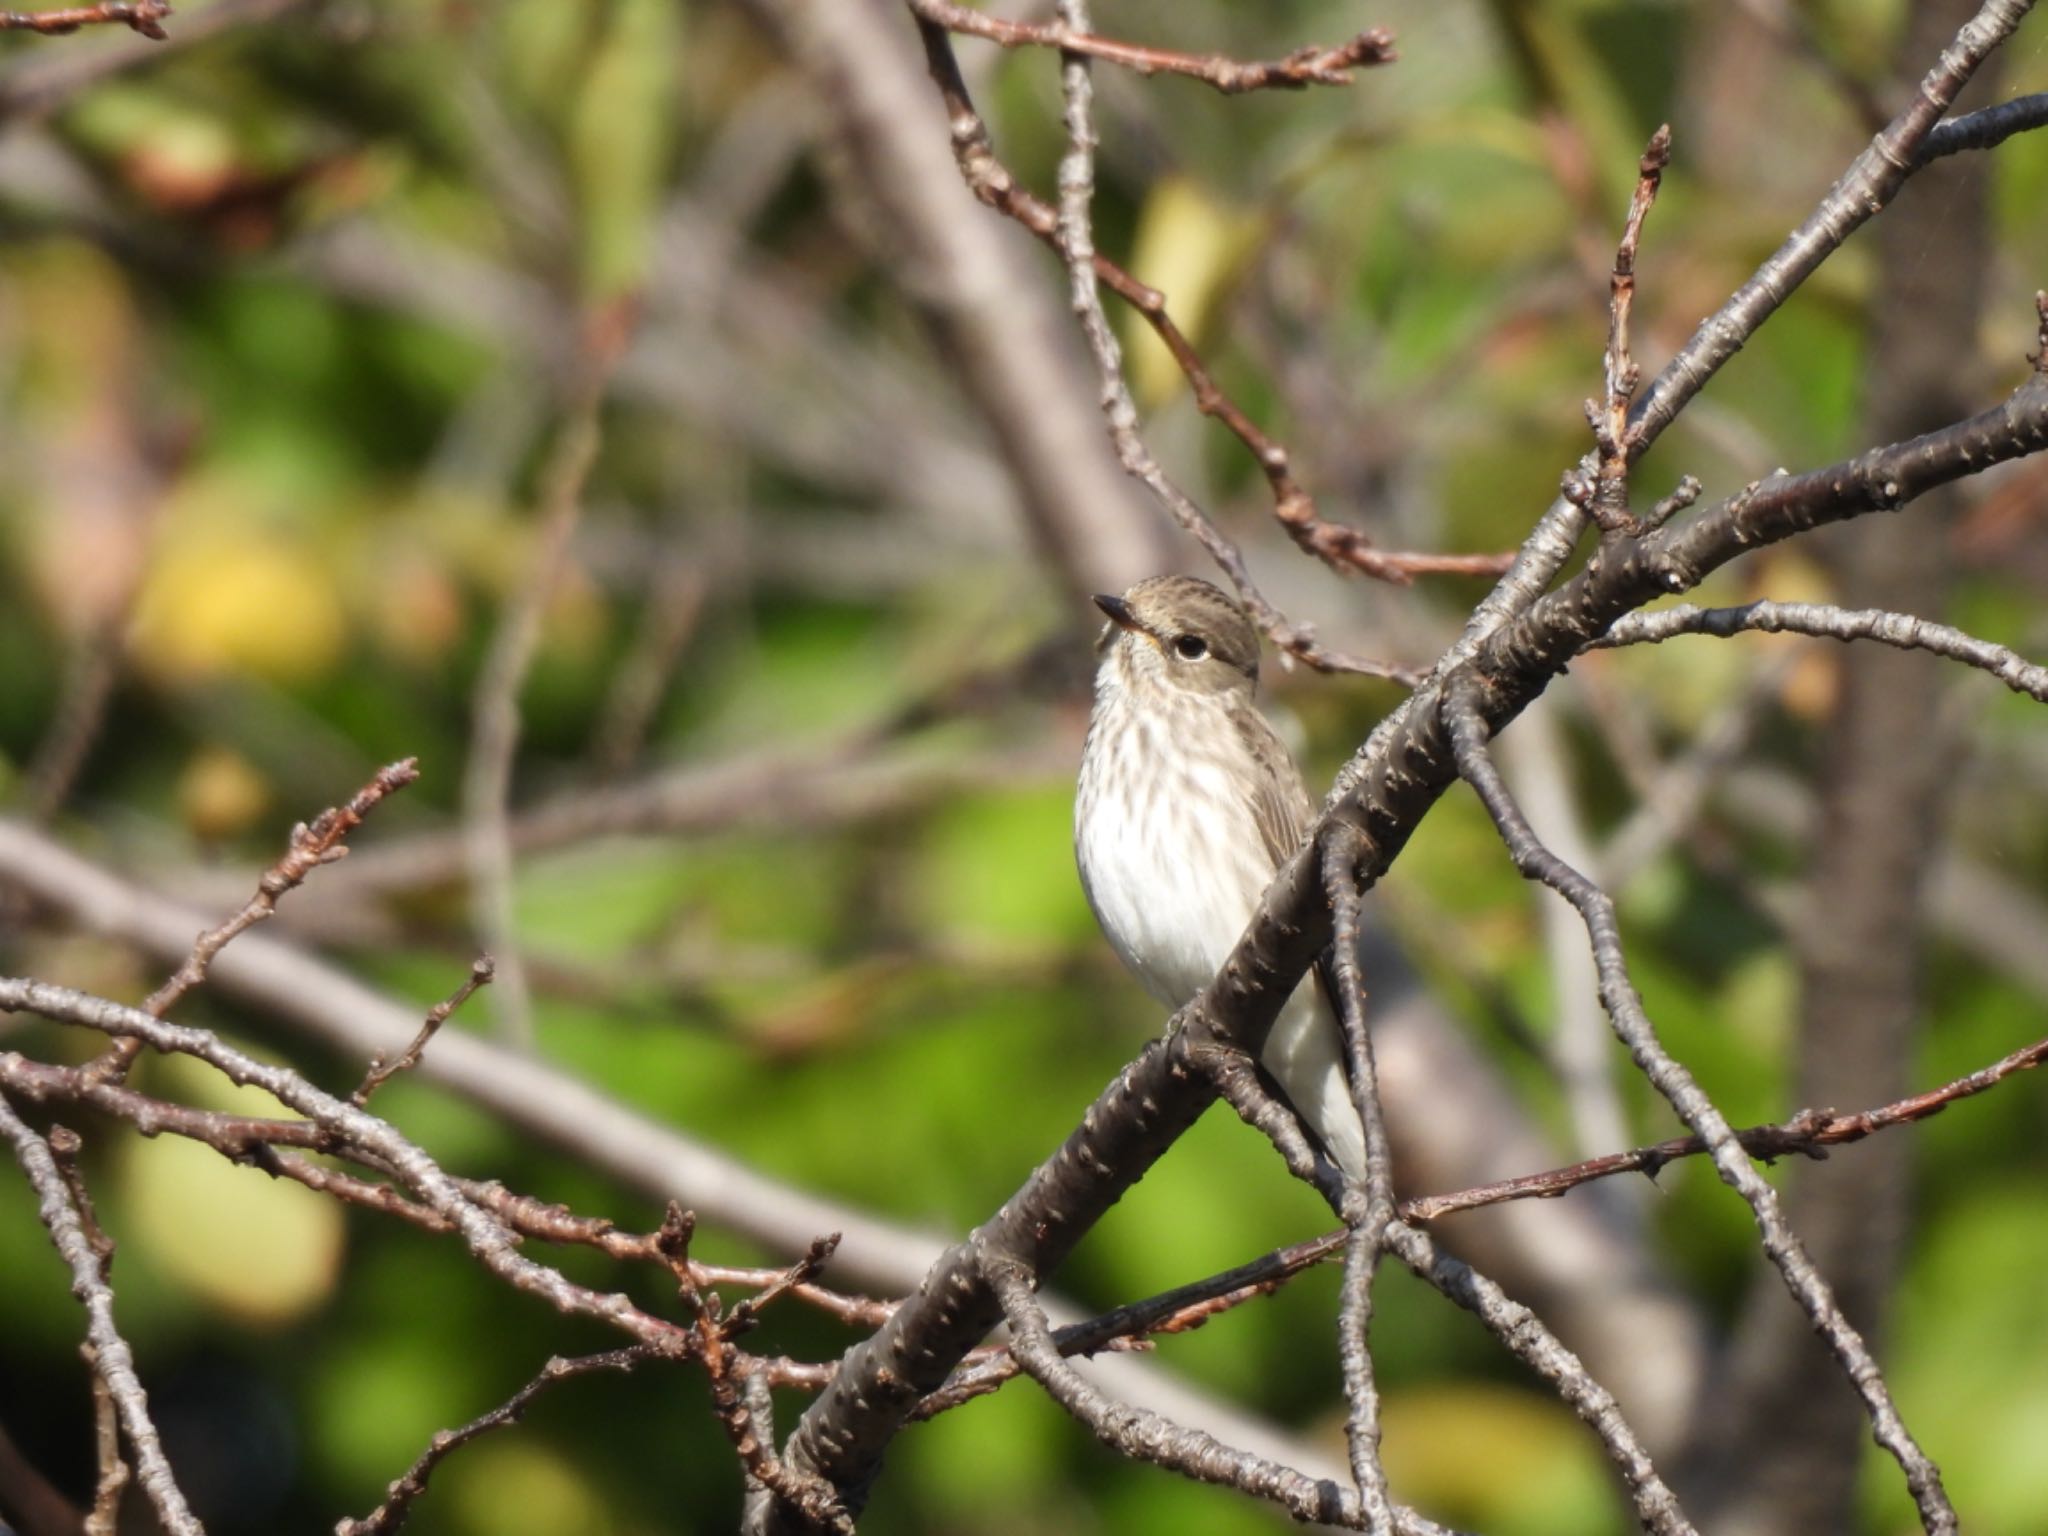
(481, 973)
(322, 841)
(144, 16)
(1310, 65)
(402, 1494)
(391, 1515)
(1986, 128)
(1343, 548)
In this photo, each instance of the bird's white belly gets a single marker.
(1173, 904)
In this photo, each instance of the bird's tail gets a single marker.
(1305, 1054)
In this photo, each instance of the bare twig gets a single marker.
(112, 1361)
(144, 16)
(796, 1277)
(1858, 196)
(1145, 1436)
(1523, 1333)
(104, 1516)
(481, 973)
(495, 720)
(1807, 1134)
(675, 601)
(993, 184)
(728, 1370)
(398, 1501)
(1311, 65)
(1366, 1223)
(1622, 374)
(321, 841)
(1468, 734)
(39, 86)
(484, 1234)
(1605, 494)
(89, 675)
(758, 1502)
(1826, 622)
(325, 1005)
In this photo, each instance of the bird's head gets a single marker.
(1182, 634)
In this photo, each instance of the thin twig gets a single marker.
(112, 1360)
(1807, 1134)
(1144, 1436)
(728, 1371)
(41, 85)
(495, 713)
(313, 844)
(398, 1501)
(1468, 733)
(1824, 621)
(795, 1277)
(1861, 193)
(105, 1514)
(1073, 231)
(758, 1502)
(1367, 1226)
(992, 183)
(1524, 1334)
(1311, 65)
(321, 841)
(361, 1132)
(144, 16)
(481, 972)
(1608, 494)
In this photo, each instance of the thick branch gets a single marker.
(1988, 128)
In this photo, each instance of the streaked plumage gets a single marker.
(1188, 804)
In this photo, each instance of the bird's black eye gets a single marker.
(1191, 647)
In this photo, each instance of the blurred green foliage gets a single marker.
(282, 317)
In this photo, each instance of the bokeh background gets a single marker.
(295, 319)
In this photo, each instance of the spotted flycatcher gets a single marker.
(1189, 804)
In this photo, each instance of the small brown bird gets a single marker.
(1188, 805)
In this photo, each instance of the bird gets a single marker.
(1188, 805)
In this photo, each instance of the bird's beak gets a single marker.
(1118, 610)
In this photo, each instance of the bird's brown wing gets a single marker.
(1284, 812)
(1280, 805)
